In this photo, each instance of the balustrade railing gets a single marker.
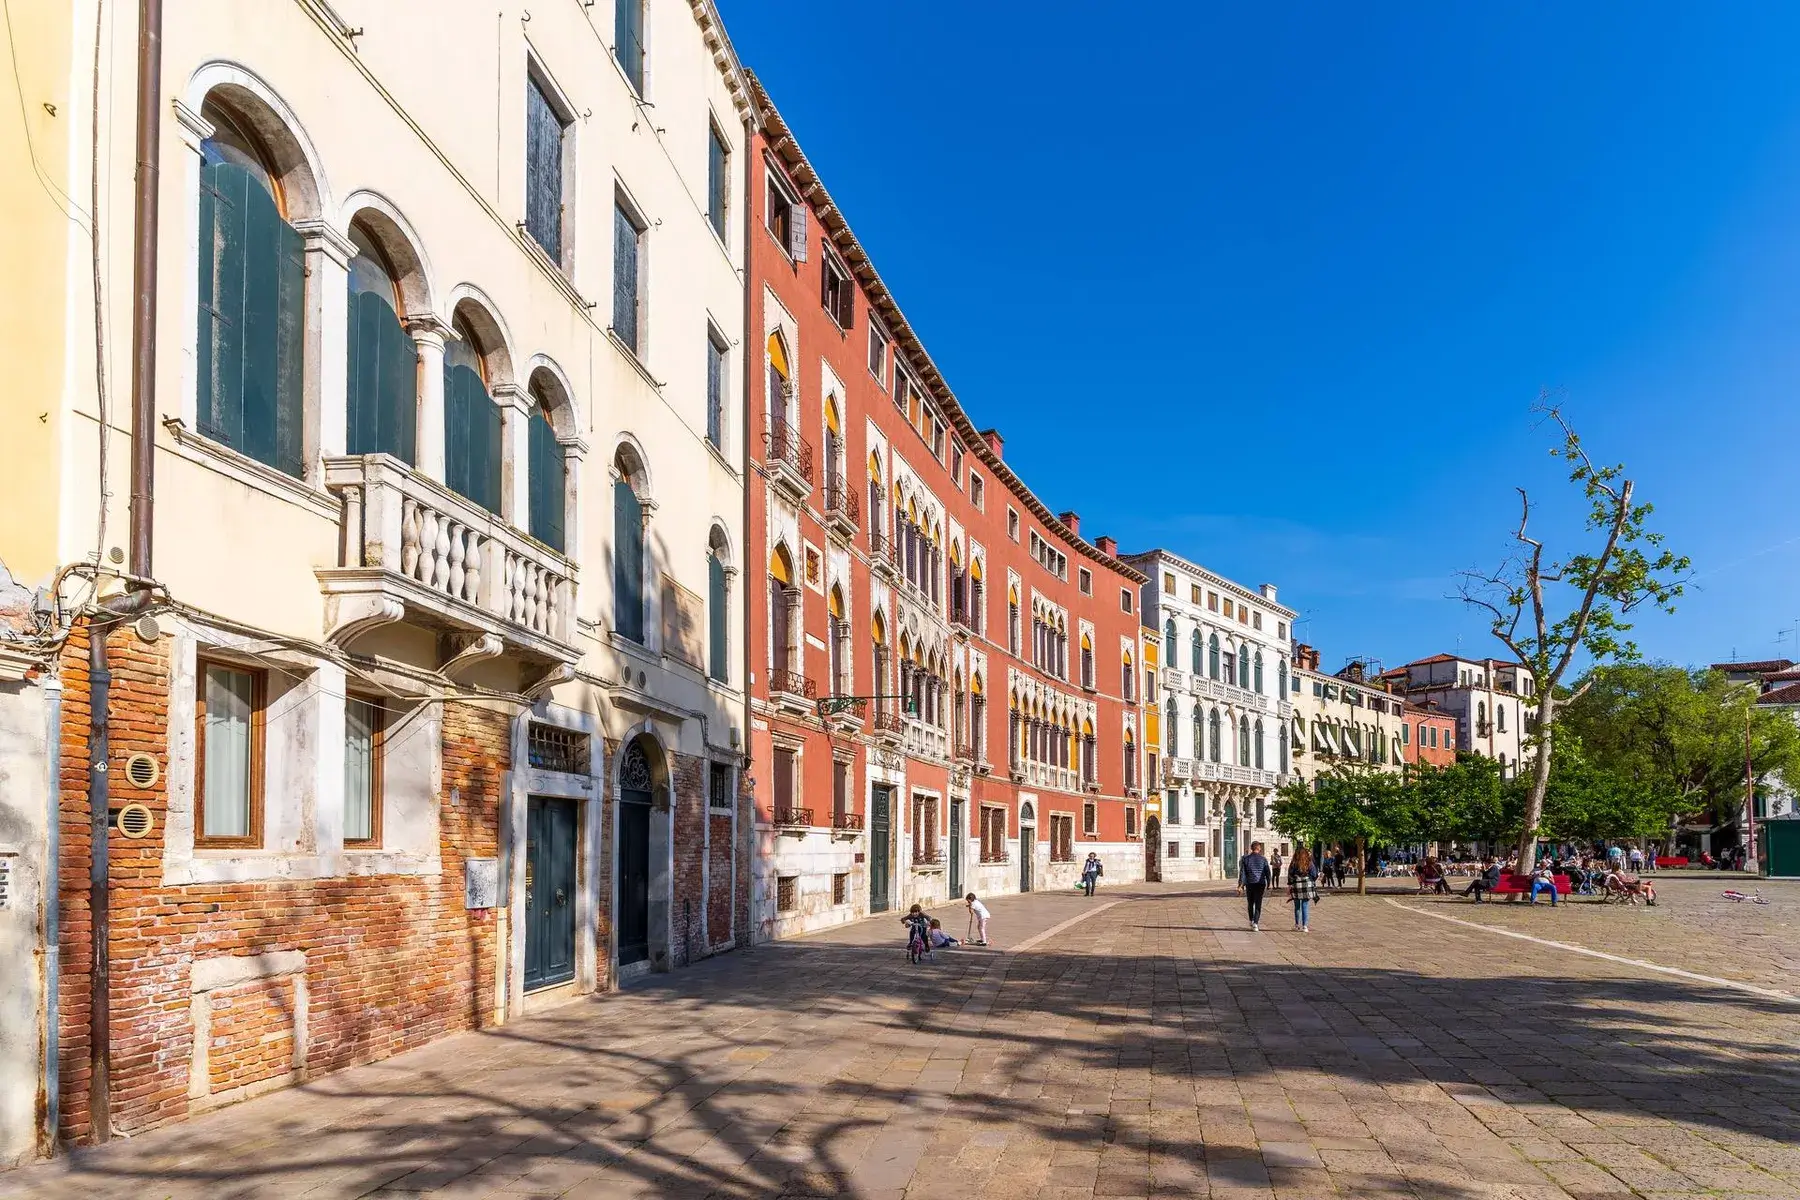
(788, 451)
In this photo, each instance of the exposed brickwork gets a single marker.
(390, 962)
(718, 900)
(688, 838)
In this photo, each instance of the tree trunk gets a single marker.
(1362, 863)
(1540, 780)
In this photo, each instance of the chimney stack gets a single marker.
(995, 442)
(1268, 592)
(1107, 546)
(1072, 520)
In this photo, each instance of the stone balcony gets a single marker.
(1212, 772)
(412, 550)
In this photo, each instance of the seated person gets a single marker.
(939, 939)
(1543, 880)
(1486, 881)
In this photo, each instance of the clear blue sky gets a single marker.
(1276, 286)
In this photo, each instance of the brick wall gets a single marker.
(688, 839)
(390, 962)
(718, 899)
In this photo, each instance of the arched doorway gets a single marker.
(1027, 844)
(641, 777)
(1231, 839)
(1153, 850)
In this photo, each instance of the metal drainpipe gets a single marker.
(143, 283)
(99, 982)
(52, 1081)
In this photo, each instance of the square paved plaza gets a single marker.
(1142, 1043)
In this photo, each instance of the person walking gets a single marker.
(1275, 868)
(1091, 871)
(1253, 881)
(1303, 888)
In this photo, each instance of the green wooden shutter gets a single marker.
(383, 380)
(457, 381)
(628, 562)
(717, 617)
(252, 321)
(545, 478)
(488, 451)
(471, 438)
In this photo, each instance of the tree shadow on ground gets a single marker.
(801, 1068)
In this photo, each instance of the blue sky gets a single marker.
(1276, 286)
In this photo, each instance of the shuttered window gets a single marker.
(545, 131)
(628, 562)
(471, 436)
(383, 383)
(718, 618)
(628, 241)
(628, 40)
(715, 391)
(545, 480)
(252, 297)
(718, 179)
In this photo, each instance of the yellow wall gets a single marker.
(40, 219)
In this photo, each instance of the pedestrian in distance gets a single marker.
(1303, 888)
(978, 912)
(1275, 867)
(1342, 868)
(1253, 881)
(1091, 871)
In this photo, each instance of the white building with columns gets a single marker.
(1221, 717)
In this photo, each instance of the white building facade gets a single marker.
(1222, 711)
(1492, 701)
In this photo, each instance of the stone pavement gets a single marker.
(1156, 1047)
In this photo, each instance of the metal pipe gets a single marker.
(99, 901)
(51, 1108)
(143, 283)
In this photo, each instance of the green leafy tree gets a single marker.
(1682, 735)
(1547, 609)
(1353, 804)
(1466, 800)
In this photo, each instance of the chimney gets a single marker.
(1268, 592)
(1107, 546)
(1072, 520)
(1305, 657)
(995, 442)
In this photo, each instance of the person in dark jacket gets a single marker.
(1253, 881)
(1486, 881)
(1091, 872)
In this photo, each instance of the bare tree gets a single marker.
(1599, 588)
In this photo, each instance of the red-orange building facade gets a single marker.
(1430, 736)
(993, 653)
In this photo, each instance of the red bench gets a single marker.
(1520, 885)
(1672, 860)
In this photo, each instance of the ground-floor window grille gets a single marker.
(787, 893)
(840, 888)
(1062, 837)
(553, 748)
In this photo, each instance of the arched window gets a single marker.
(1259, 674)
(1126, 677)
(838, 643)
(835, 467)
(877, 506)
(1212, 736)
(1243, 741)
(1169, 640)
(251, 348)
(1199, 732)
(1197, 650)
(628, 550)
(545, 475)
(382, 381)
(781, 395)
(1282, 758)
(1087, 662)
(471, 418)
(1012, 619)
(1173, 735)
(1259, 743)
(881, 684)
(718, 609)
(1243, 669)
(784, 613)
(977, 594)
(1213, 656)
(1500, 717)
(1130, 762)
(977, 718)
(1281, 682)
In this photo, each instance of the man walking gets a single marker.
(1090, 872)
(1253, 880)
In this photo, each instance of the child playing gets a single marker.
(918, 939)
(939, 939)
(979, 911)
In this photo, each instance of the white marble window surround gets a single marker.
(303, 772)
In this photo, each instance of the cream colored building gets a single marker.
(1347, 718)
(449, 302)
(1221, 703)
(1491, 699)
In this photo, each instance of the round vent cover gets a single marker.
(147, 627)
(141, 770)
(135, 821)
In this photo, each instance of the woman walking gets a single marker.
(1303, 888)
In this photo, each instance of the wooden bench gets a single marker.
(1520, 885)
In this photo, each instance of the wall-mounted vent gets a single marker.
(142, 771)
(135, 821)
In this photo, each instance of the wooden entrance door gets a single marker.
(549, 892)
